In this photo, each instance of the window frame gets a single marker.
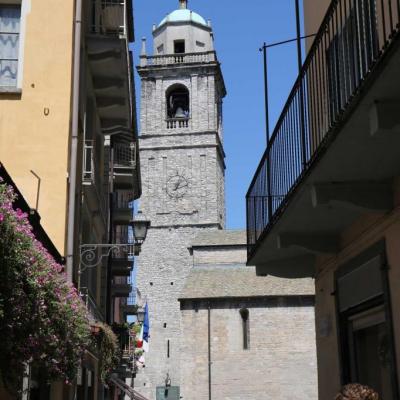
(180, 42)
(344, 317)
(25, 7)
(178, 89)
(245, 319)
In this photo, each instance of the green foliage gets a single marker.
(109, 352)
(43, 320)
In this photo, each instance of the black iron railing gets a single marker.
(353, 37)
(125, 155)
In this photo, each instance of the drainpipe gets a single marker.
(209, 351)
(74, 139)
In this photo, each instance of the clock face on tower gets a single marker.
(177, 186)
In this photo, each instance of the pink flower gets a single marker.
(1, 217)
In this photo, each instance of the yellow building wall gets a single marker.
(30, 139)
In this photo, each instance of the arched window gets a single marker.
(178, 102)
(244, 313)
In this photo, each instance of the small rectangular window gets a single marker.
(244, 313)
(160, 49)
(179, 46)
(10, 20)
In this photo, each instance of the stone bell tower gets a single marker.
(182, 166)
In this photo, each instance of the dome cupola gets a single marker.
(183, 31)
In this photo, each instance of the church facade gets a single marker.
(183, 178)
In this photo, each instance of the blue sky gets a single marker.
(240, 28)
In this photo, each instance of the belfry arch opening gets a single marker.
(177, 98)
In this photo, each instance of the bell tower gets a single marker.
(183, 175)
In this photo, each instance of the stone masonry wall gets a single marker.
(280, 364)
(163, 266)
(202, 96)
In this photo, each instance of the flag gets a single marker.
(146, 329)
(139, 339)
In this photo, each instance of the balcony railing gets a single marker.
(177, 123)
(125, 155)
(91, 305)
(88, 162)
(353, 38)
(109, 17)
(171, 59)
(91, 175)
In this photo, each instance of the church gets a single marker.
(217, 331)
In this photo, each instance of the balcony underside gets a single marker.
(352, 175)
(108, 57)
(122, 216)
(121, 267)
(124, 178)
(121, 289)
(129, 310)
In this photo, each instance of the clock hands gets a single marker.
(177, 186)
(180, 184)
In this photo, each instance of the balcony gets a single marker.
(334, 151)
(180, 59)
(92, 182)
(121, 266)
(91, 305)
(124, 166)
(177, 123)
(121, 289)
(108, 37)
(122, 207)
(122, 257)
(130, 308)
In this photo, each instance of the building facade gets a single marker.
(182, 162)
(244, 336)
(329, 208)
(68, 138)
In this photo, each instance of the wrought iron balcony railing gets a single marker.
(88, 162)
(109, 17)
(91, 176)
(185, 58)
(125, 155)
(91, 305)
(354, 37)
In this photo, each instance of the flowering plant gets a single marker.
(43, 320)
(109, 351)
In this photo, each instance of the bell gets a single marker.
(180, 113)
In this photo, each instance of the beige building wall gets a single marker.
(314, 12)
(367, 231)
(35, 124)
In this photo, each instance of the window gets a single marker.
(244, 313)
(178, 102)
(10, 18)
(179, 46)
(365, 323)
(160, 49)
